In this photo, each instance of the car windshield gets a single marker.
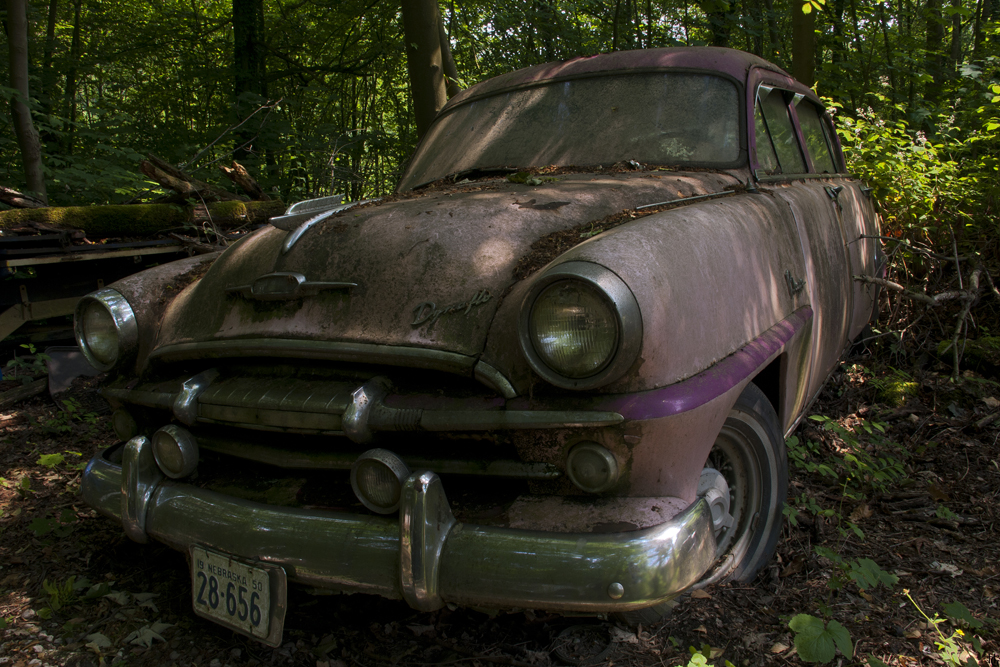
(671, 118)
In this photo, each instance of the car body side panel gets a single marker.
(859, 221)
(694, 315)
(827, 273)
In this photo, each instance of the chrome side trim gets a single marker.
(139, 479)
(487, 420)
(185, 405)
(478, 565)
(424, 523)
(392, 355)
(494, 379)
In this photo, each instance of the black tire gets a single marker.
(750, 454)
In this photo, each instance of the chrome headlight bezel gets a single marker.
(125, 326)
(621, 302)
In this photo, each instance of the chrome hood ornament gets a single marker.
(284, 286)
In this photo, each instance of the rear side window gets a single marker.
(765, 150)
(781, 131)
(817, 141)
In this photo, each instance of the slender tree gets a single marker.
(24, 128)
(424, 60)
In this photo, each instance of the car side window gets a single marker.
(781, 130)
(817, 141)
(766, 158)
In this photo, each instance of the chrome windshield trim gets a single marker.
(391, 355)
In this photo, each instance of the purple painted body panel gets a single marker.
(728, 61)
(713, 382)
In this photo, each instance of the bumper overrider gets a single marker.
(424, 556)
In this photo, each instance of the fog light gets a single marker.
(175, 451)
(124, 425)
(377, 479)
(592, 467)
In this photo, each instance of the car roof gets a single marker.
(727, 61)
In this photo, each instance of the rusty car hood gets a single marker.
(426, 269)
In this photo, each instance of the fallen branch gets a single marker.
(142, 219)
(239, 175)
(23, 393)
(17, 199)
(174, 179)
(197, 246)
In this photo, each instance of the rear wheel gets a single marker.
(749, 453)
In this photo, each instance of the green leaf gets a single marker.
(50, 460)
(959, 612)
(816, 641)
(875, 662)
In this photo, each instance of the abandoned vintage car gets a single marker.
(554, 370)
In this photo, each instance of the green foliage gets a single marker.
(866, 462)
(58, 527)
(864, 572)
(700, 657)
(51, 460)
(959, 613)
(28, 367)
(950, 649)
(818, 641)
(895, 388)
(919, 181)
(71, 418)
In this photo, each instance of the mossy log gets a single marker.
(142, 219)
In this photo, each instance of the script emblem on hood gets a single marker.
(428, 312)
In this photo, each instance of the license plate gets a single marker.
(247, 598)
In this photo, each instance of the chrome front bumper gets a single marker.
(425, 556)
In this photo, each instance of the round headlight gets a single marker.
(573, 329)
(106, 330)
(377, 479)
(580, 326)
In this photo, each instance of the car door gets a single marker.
(787, 170)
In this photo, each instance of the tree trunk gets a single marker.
(448, 61)
(934, 63)
(249, 68)
(424, 60)
(888, 55)
(956, 36)
(772, 30)
(70, 92)
(49, 75)
(717, 21)
(803, 44)
(24, 128)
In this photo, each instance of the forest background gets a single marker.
(322, 92)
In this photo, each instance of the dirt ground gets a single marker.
(919, 500)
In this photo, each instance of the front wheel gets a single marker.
(749, 455)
